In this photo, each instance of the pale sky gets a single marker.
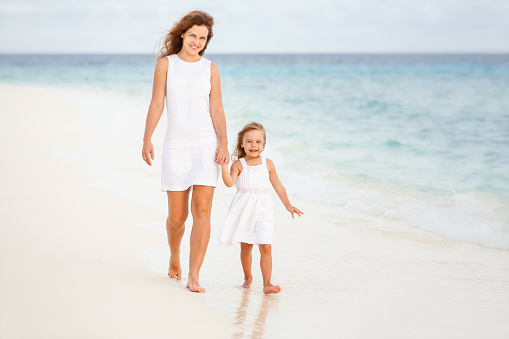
(260, 26)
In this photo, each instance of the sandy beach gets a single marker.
(83, 248)
(70, 253)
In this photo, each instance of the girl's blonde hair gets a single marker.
(172, 41)
(239, 152)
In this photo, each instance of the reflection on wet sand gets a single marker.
(257, 328)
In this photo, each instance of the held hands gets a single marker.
(293, 210)
(222, 155)
(147, 152)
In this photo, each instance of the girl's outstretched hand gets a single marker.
(293, 209)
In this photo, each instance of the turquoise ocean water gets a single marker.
(419, 138)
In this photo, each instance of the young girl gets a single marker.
(250, 219)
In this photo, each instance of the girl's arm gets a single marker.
(280, 189)
(217, 115)
(229, 178)
(155, 109)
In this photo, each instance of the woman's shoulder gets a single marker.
(161, 67)
(165, 58)
(213, 68)
(162, 62)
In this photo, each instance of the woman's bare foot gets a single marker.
(194, 285)
(268, 289)
(247, 283)
(174, 270)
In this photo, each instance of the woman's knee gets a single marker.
(201, 202)
(265, 249)
(177, 208)
(201, 211)
(177, 219)
(245, 248)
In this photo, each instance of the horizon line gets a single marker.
(269, 53)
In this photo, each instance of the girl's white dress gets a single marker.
(191, 141)
(250, 218)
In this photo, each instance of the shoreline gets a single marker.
(84, 253)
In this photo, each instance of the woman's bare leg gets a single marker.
(246, 259)
(201, 206)
(178, 210)
(266, 267)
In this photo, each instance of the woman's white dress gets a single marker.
(191, 141)
(250, 218)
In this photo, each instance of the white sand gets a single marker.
(79, 212)
(70, 264)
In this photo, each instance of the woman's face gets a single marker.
(194, 39)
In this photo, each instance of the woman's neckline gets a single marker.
(187, 62)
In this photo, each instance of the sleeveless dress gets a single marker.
(250, 218)
(190, 143)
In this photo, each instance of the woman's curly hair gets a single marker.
(171, 43)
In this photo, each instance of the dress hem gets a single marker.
(164, 189)
(246, 242)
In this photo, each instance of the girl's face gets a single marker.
(194, 39)
(252, 143)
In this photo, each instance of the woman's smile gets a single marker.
(194, 39)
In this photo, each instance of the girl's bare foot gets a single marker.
(174, 271)
(247, 283)
(268, 289)
(194, 285)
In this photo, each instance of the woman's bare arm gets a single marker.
(218, 116)
(155, 109)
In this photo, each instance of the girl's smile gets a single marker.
(253, 143)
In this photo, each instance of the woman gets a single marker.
(195, 143)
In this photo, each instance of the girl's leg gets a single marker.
(201, 206)
(246, 259)
(175, 225)
(266, 267)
